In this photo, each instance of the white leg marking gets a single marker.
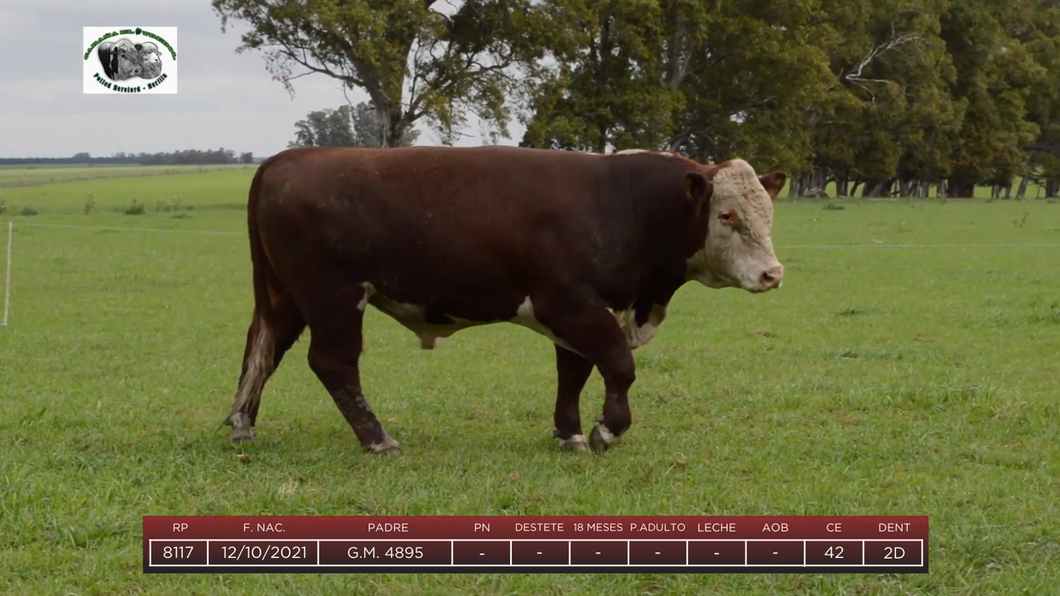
(607, 436)
(575, 443)
(259, 367)
(601, 438)
(388, 446)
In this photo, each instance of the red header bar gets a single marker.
(514, 528)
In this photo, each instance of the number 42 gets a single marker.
(835, 552)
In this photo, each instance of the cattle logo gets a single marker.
(130, 60)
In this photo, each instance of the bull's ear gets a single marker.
(773, 182)
(697, 189)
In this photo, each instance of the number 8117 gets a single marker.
(177, 552)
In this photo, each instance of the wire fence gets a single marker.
(823, 246)
(11, 229)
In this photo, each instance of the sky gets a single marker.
(223, 99)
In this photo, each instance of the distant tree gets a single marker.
(246, 157)
(344, 126)
(325, 128)
(364, 128)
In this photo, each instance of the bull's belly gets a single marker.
(414, 318)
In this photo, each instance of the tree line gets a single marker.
(185, 157)
(879, 97)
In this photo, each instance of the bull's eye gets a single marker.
(728, 218)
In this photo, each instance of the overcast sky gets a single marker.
(224, 99)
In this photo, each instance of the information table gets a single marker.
(535, 544)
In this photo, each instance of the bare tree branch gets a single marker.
(896, 40)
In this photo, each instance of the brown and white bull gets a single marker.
(583, 248)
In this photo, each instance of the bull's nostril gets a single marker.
(772, 277)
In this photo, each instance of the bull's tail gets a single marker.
(275, 325)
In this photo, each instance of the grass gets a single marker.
(879, 381)
(36, 175)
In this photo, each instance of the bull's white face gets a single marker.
(128, 59)
(738, 252)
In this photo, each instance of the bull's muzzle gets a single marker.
(771, 278)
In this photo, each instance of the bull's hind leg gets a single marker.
(270, 336)
(334, 355)
(573, 371)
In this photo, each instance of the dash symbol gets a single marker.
(597, 552)
(774, 552)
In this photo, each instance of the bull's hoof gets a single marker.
(242, 431)
(387, 446)
(601, 439)
(241, 435)
(577, 443)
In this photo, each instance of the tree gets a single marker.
(345, 126)
(413, 60)
(246, 157)
(995, 76)
(756, 70)
(364, 128)
(1042, 40)
(609, 87)
(888, 116)
(326, 128)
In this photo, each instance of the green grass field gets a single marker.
(20, 176)
(881, 380)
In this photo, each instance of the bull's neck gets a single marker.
(645, 192)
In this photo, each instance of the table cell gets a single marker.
(386, 552)
(650, 552)
(833, 552)
(770, 552)
(716, 552)
(893, 552)
(474, 552)
(178, 552)
(543, 552)
(599, 552)
(253, 552)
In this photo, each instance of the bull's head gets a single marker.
(736, 212)
(128, 59)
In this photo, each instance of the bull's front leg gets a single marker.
(591, 331)
(617, 417)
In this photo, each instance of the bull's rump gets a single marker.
(469, 230)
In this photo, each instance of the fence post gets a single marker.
(7, 284)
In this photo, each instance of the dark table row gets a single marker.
(904, 553)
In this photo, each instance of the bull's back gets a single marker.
(419, 222)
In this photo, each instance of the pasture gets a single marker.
(881, 380)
